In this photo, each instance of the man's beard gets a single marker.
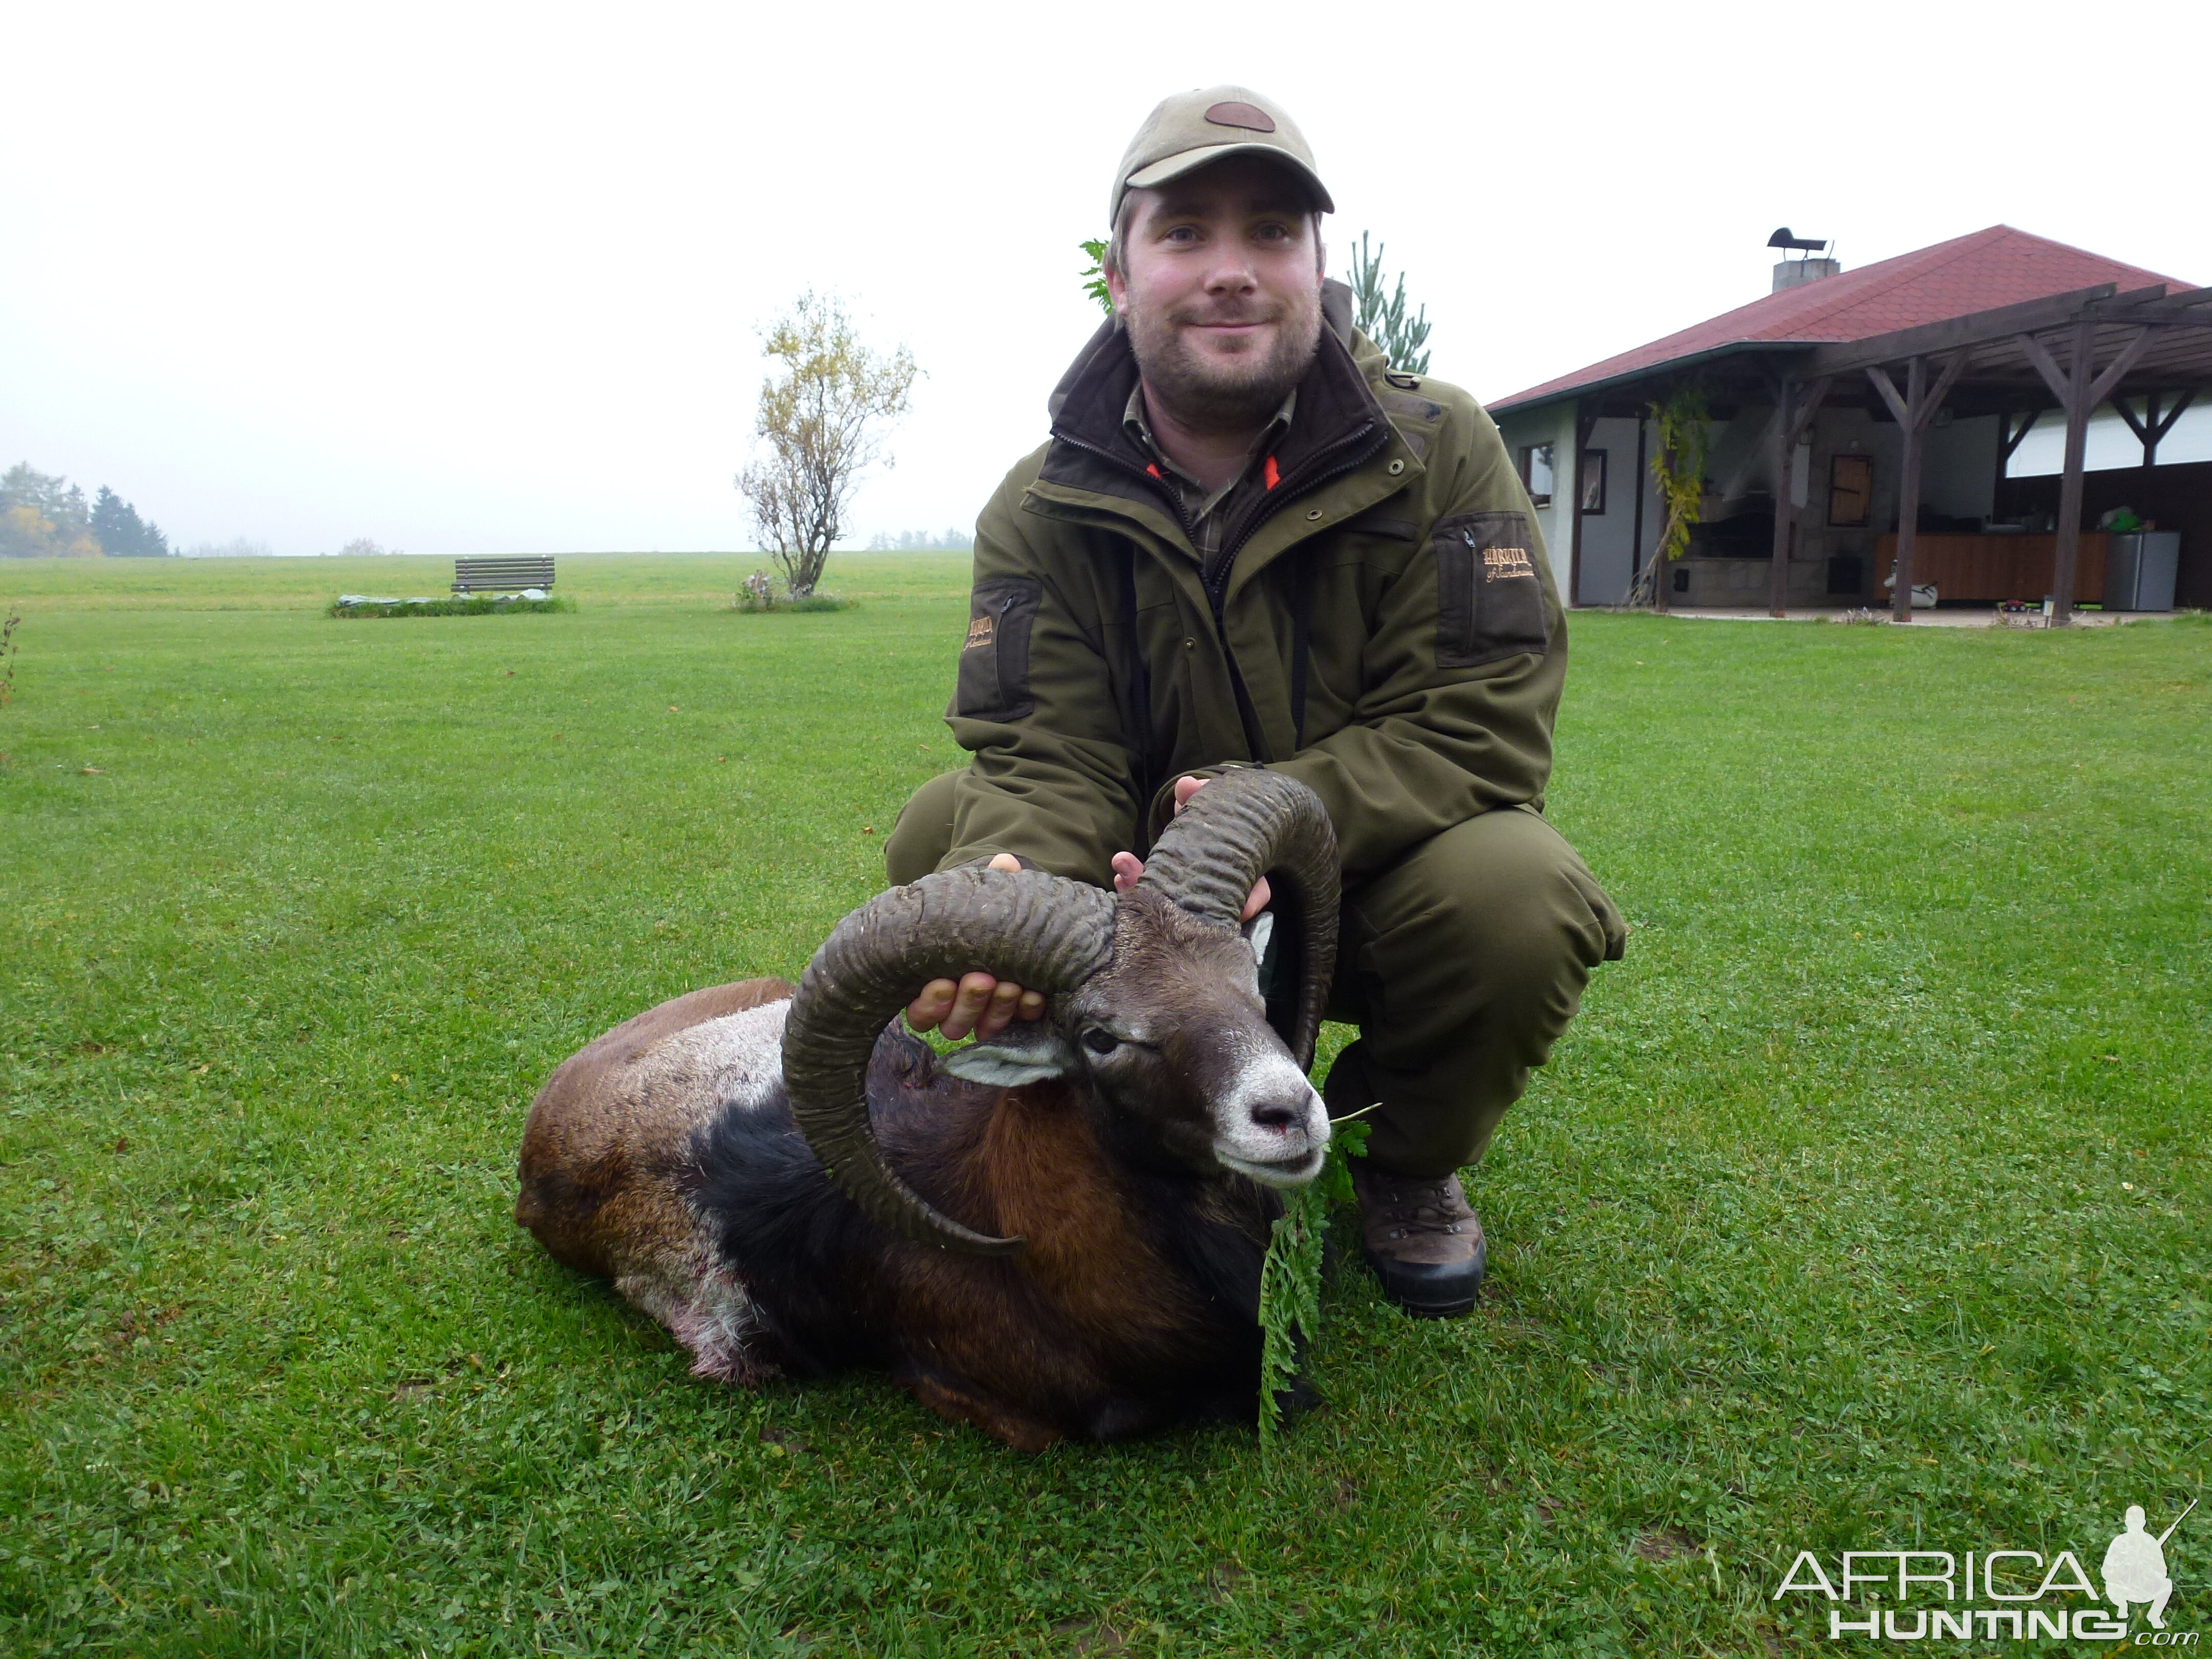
(1231, 394)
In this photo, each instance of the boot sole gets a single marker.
(1426, 1293)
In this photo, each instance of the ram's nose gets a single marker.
(1276, 1129)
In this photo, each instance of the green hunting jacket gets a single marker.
(1381, 624)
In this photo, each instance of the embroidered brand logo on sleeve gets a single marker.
(979, 634)
(1506, 562)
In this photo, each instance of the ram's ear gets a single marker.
(1028, 1051)
(1257, 933)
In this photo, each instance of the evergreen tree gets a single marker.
(1381, 314)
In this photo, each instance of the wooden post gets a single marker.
(2079, 389)
(2078, 407)
(1584, 425)
(1908, 490)
(1635, 530)
(1795, 406)
(1915, 412)
(1783, 435)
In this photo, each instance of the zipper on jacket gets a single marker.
(1317, 473)
(1158, 486)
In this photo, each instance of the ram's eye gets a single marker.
(1100, 1041)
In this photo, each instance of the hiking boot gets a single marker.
(1422, 1239)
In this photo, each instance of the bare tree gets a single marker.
(823, 420)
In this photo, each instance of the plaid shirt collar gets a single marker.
(1209, 515)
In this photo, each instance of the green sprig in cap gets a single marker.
(1192, 129)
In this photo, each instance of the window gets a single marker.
(1536, 472)
(1850, 491)
(1593, 481)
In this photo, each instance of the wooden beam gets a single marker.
(1977, 328)
(1946, 379)
(1898, 406)
(2104, 383)
(2046, 365)
(2165, 425)
(2010, 440)
(2153, 427)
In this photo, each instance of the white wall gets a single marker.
(1611, 551)
(2111, 445)
(1552, 424)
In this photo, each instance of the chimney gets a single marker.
(1795, 273)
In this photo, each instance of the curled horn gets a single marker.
(1247, 823)
(1043, 932)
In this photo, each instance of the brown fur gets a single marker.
(1090, 1330)
(1088, 1309)
(596, 1148)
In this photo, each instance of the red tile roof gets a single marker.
(1999, 266)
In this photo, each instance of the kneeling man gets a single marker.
(1249, 542)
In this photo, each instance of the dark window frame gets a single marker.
(1592, 488)
(1527, 463)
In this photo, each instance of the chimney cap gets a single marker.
(1782, 238)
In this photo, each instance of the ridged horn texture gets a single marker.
(1043, 933)
(1242, 825)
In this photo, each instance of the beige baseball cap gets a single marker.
(1192, 129)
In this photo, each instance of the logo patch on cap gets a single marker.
(1239, 114)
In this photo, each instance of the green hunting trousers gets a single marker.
(1461, 964)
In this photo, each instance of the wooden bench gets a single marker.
(502, 576)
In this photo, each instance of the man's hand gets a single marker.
(979, 1003)
(1128, 866)
(986, 1005)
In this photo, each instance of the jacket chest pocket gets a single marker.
(1490, 599)
(994, 684)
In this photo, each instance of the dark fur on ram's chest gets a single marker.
(1132, 1307)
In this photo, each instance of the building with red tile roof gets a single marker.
(1915, 378)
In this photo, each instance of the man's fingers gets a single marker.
(928, 1010)
(1032, 1005)
(1127, 867)
(1004, 862)
(973, 997)
(1257, 899)
(1185, 788)
(999, 1014)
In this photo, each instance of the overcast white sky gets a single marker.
(472, 278)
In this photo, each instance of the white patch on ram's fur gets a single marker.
(1286, 1156)
(705, 1307)
(736, 1060)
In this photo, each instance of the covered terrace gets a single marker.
(1801, 385)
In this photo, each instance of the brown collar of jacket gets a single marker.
(1337, 426)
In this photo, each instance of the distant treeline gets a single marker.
(921, 541)
(44, 516)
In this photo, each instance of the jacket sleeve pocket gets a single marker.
(995, 663)
(1490, 602)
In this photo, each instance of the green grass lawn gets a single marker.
(1865, 1206)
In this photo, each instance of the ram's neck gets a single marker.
(1092, 1249)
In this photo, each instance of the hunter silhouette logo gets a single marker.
(2135, 1567)
(2022, 1595)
